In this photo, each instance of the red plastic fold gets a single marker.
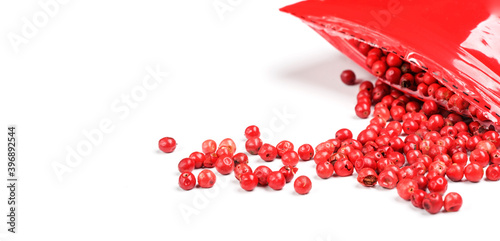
(457, 41)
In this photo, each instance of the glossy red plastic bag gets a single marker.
(458, 42)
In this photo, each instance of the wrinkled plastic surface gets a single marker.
(456, 41)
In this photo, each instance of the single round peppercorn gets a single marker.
(375, 51)
(433, 202)
(493, 172)
(206, 178)
(462, 127)
(343, 134)
(167, 144)
(382, 112)
(348, 77)
(209, 146)
(438, 167)
(253, 145)
(366, 85)
(262, 172)
(367, 177)
(224, 165)
(408, 81)
(249, 181)
(422, 181)
(406, 187)
(288, 172)
(322, 156)
(324, 169)
(302, 185)
(276, 180)
(495, 157)
(388, 179)
(430, 107)
(422, 89)
(412, 156)
(493, 137)
(354, 155)
(367, 135)
(267, 152)
(417, 197)
(364, 48)
(186, 165)
(480, 157)
(450, 131)
(460, 158)
(395, 125)
(362, 110)
(452, 202)
(472, 142)
(438, 184)
(291, 158)
(393, 60)
(240, 158)
(429, 79)
(378, 68)
(187, 181)
(443, 94)
(252, 132)
(306, 152)
(473, 172)
(393, 75)
(363, 162)
(419, 78)
(397, 113)
(412, 106)
(410, 126)
(283, 147)
(435, 122)
(455, 172)
(405, 67)
(198, 159)
(343, 168)
(397, 144)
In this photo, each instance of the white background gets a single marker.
(249, 65)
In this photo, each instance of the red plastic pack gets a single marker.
(457, 42)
